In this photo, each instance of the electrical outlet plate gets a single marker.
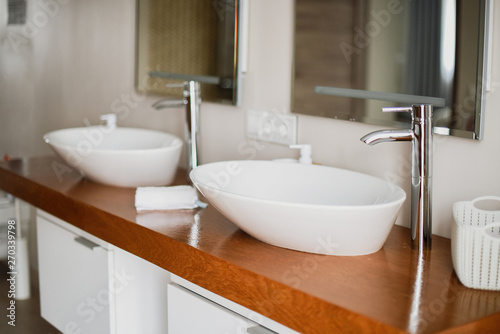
(273, 127)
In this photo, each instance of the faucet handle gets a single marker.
(175, 85)
(397, 109)
(418, 111)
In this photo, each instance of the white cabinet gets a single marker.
(90, 286)
(141, 295)
(74, 279)
(192, 309)
(191, 313)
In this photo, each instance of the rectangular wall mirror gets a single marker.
(425, 48)
(180, 40)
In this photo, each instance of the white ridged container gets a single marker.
(475, 242)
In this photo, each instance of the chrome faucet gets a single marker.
(420, 135)
(191, 99)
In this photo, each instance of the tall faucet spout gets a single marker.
(384, 136)
(168, 103)
(191, 101)
(420, 135)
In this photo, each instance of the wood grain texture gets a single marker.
(321, 29)
(392, 291)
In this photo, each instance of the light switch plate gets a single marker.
(273, 127)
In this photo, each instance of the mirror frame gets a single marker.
(240, 45)
(481, 86)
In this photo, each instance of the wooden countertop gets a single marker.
(378, 293)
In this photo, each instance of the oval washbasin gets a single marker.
(122, 157)
(309, 208)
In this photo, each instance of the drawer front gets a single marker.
(191, 313)
(74, 280)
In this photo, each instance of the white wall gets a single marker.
(79, 63)
(75, 61)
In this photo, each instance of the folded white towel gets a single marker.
(166, 198)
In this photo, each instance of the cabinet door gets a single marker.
(74, 275)
(191, 313)
(140, 295)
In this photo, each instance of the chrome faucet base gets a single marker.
(193, 115)
(421, 214)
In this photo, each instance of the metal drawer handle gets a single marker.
(259, 330)
(87, 243)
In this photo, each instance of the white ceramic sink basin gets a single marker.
(309, 208)
(122, 157)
